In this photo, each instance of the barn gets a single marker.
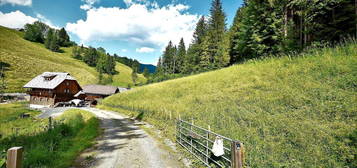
(50, 88)
(94, 92)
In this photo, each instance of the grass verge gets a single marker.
(55, 148)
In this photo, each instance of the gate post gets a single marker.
(237, 154)
(14, 157)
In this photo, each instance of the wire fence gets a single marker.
(34, 130)
(199, 142)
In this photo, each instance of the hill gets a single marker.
(124, 78)
(27, 59)
(290, 111)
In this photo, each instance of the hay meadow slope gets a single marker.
(28, 59)
(289, 111)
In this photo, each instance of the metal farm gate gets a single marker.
(199, 141)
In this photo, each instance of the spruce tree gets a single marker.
(234, 38)
(193, 55)
(101, 63)
(181, 54)
(168, 58)
(91, 56)
(49, 39)
(216, 33)
(54, 45)
(205, 63)
(63, 38)
(259, 30)
(110, 65)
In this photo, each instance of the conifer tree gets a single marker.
(180, 56)
(168, 58)
(234, 38)
(193, 54)
(216, 33)
(91, 56)
(110, 65)
(205, 63)
(51, 41)
(63, 38)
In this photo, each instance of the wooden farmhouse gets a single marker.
(51, 87)
(94, 92)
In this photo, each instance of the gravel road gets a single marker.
(125, 145)
(52, 112)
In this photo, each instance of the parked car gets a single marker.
(77, 102)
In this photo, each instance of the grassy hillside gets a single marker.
(28, 59)
(289, 111)
(123, 79)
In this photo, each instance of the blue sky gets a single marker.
(138, 29)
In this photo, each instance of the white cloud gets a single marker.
(142, 24)
(15, 19)
(145, 50)
(124, 50)
(46, 21)
(16, 2)
(128, 2)
(88, 4)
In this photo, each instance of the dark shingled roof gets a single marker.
(100, 90)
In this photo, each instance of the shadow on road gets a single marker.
(115, 136)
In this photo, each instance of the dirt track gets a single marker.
(125, 145)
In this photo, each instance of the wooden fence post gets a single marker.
(14, 157)
(49, 123)
(237, 153)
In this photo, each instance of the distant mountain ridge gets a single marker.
(150, 67)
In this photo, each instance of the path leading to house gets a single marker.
(125, 145)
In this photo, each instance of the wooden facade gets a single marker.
(64, 92)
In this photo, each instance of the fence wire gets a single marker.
(199, 142)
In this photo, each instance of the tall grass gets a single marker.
(57, 147)
(289, 111)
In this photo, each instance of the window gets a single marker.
(67, 83)
(66, 90)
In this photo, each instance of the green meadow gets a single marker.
(28, 59)
(55, 148)
(289, 111)
(124, 78)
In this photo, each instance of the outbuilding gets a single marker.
(94, 92)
